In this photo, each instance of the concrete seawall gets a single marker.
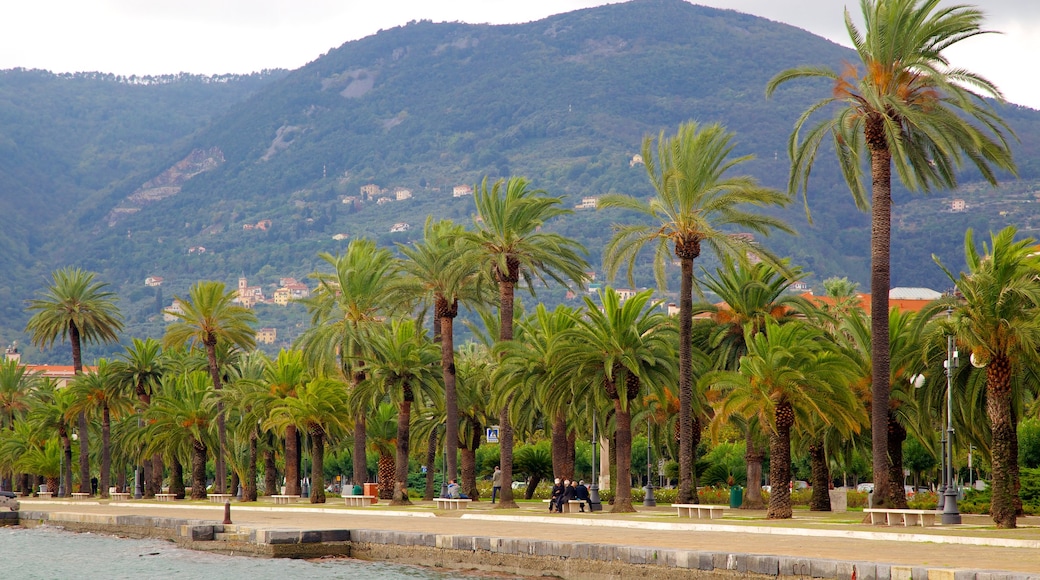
(531, 557)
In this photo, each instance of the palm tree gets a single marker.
(752, 293)
(77, 308)
(98, 393)
(16, 384)
(626, 347)
(906, 107)
(436, 270)
(475, 390)
(246, 394)
(347, 302)
(140, 370)
(283, 377)
(509, 242)
(997, 321)
(181, 420)
(695, 201)
(402, 364)
(210, 316)
(48, 411)
(790, 375)
(320, 407)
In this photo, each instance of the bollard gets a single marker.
(227, 512)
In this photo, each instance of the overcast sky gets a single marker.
(225, 36)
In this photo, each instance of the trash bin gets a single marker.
(358, 490)
(372, 489)
(736, 496)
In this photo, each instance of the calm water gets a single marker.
(48, 553)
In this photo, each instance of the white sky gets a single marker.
(229, 36)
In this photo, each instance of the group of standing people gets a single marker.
(567, 490)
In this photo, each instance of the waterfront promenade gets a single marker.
(956, 553)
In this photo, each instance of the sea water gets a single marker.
(49, 553)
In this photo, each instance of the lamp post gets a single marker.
(950, 514)
(594, 502)
(138, 479)
(648, 499)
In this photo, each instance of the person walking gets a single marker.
(496, 483)
(557, 491)
(581, 493)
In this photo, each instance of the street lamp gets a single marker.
(594, 503)
(648, 499)
(138, 476)
(950, 515)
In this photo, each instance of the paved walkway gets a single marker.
(830, 536)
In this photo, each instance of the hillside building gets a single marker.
(153, 281)
(170, 314)
(267, 335)
(248, 296)
(461, 190)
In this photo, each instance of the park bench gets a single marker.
(119, 496)
(444, 503)
(165, 497)
(80, 495)
(45, 495)
(359, 500)
(219, 497)
(285, 499)
(572, 506)
(697, 510)
(894, 517)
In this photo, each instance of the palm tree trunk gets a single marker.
(686, 450)
(176, 478)
(431, 458)
(236, 482)
(896, 436)
(156, 475)
(754, 457)
(66, 445)
(84, 453)
(317, 464)
(250, 490)
(559, 448)
(198, 470)
(52, 486)
(505, 427)
(998, 406)
(451, 401)
(270, 473)
(821, 497)
(469, 463)
(360, 459)
(780, 474)
(387, 469)
(220, 480)
(880, 282)
(623, 459)
(292, 467)
(106, 451)
(404, 417)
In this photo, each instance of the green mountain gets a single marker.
(564, 101)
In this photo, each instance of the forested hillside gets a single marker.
(564, 101)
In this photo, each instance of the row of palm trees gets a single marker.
(905, 107)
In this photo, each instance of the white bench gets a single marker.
(45, 495)
(119, 496)
(285, 499)
(444, 503)
(165, 497)
(219, 497)
(894, 517)
(697, 510)
(80, 495)
(572, 506)
(359, 500)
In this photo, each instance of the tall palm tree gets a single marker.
(621, 349)
(905, 106)
(998, 322)
(97, 393)
(508, 241)
(436, 270)
(283, 377)
(790, 374)
(76, 308)
(181, 420)
(319, 407)
(752, 294)
(401, 364)
(209, 316)
(696, 201)
(140, 369)
(356, 295)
